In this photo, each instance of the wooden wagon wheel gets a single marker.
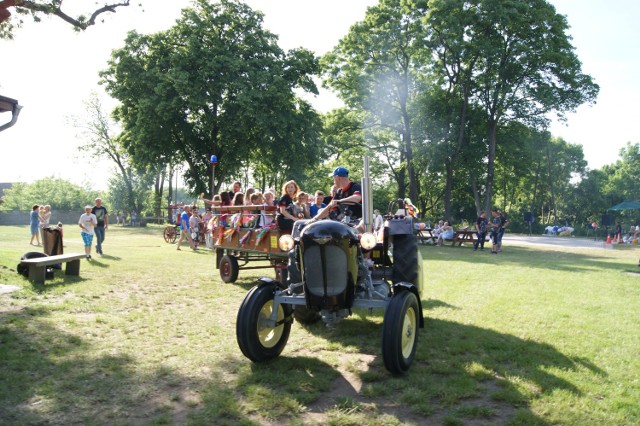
(170, 234)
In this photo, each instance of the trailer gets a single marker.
(243, 235)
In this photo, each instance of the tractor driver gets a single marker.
(347, 200)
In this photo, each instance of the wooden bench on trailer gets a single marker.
(38, 266)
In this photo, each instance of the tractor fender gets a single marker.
(265, 281)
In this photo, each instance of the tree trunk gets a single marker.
(491, 164)
(535, 188)
(447, 190)
(476, 195)
(551, 187)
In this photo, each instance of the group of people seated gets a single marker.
(442, 231)
(292, 205)
(630, 236)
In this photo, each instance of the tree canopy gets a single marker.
(441, 80)
(216, 83)
(59, 193)
(450, 98)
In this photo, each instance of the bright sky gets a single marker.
(55, 69)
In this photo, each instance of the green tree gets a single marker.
(526, 69)
(624, 181)
(374, 69)
(215, 83)
(587, 199)
(133, 194)
(59, 193)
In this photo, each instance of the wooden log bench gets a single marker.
(38, 266)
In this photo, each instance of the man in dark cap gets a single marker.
(347, 200)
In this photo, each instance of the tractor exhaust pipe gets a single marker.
(367, 200)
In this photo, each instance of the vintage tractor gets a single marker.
(333, 270)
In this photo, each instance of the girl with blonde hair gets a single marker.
(286, 215)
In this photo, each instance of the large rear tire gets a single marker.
(400, 332)
(256, 340)
(229, 268)
(405, 259)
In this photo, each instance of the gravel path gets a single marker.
(554, 241)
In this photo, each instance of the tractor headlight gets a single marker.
(286, 242)
(368, 241)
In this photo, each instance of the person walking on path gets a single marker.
(185, 233)
(87, 223)
(34, 221)
(102, 216)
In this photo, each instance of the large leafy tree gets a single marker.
(218, 84)
(374, 70)
(38, 8)
(425, 70)
(526, 69)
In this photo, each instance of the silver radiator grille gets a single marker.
(315, 272)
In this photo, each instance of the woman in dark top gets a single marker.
(285, 217)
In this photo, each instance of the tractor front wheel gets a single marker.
(258, 340)
(400, 332)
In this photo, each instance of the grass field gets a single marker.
(146, 335)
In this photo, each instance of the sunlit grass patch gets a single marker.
(146, 335)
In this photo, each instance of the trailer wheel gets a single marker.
(256, 339)
(400, 332)
(229, 268)
(170, 234)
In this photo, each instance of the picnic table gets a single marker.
(463, 236)
(425, 234)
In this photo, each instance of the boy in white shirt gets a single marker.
(88, 221)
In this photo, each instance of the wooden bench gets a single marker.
(38, 266)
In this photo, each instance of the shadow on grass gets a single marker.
(59, 280)
(433, 304)
(518, 255)
(461, 373)
(46, 378)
